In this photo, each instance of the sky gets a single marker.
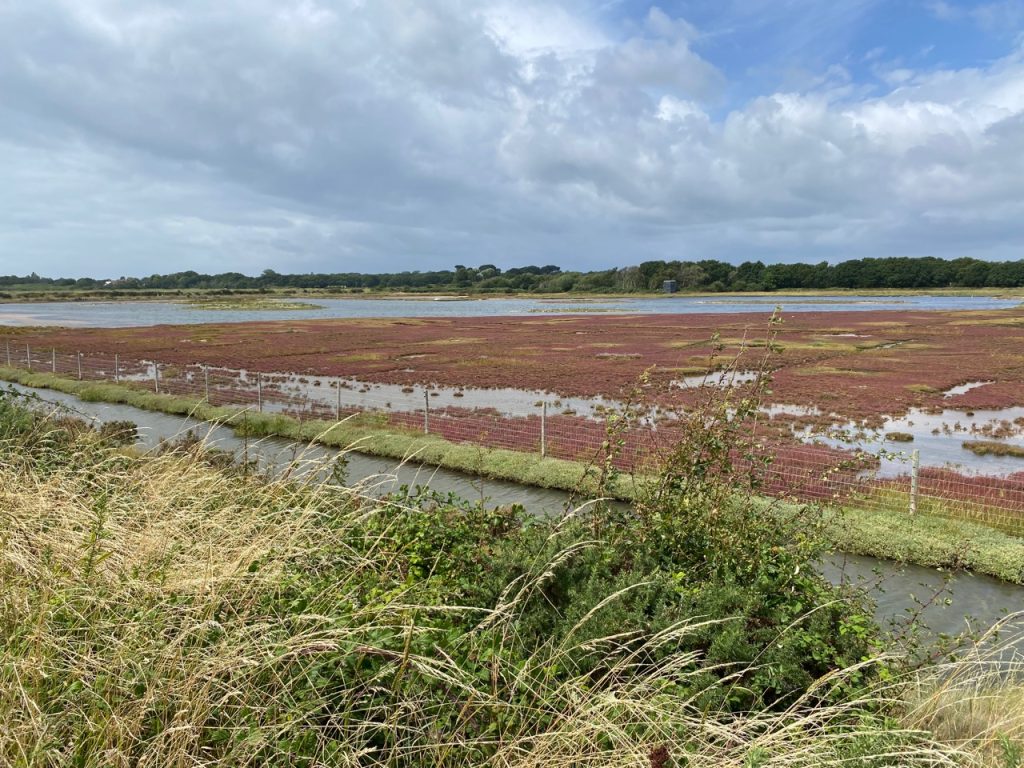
(141, 137)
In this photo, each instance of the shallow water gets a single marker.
(382, 475)
(976, 602)
(938, 436)
(122, 314)
(902, 591)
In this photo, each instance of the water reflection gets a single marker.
(122, 314)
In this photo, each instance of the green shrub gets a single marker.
(158, 610)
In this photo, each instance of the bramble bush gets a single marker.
(182, 612)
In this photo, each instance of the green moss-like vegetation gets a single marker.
(928, 540)
(250, 303)
(993, 448)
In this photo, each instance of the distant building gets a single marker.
(670, 286)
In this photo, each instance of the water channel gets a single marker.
(124, 314)
(974, 601)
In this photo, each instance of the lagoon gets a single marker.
(125, 314)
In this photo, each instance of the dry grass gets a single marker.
(976, 702)
(150, 615)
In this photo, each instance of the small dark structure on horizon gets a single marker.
(670, 286)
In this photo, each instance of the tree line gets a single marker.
(689, 276)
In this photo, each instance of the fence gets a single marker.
(565, 428)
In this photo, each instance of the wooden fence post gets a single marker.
(543, 429)
(426, 412)
(915, 466)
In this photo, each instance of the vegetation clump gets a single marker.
(993, 448)
(250, 303)
(164, 610)
(159, 609)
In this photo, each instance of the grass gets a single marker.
(357, 433)
(249, 303)
(975, 702)
(158, 612)
(930, 539)
(993, 448)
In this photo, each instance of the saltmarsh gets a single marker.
(931, 540)
(160, 610)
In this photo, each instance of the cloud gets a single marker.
(1002, 17)
(347, 135)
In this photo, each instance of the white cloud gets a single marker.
(530, 28)
(400, 134)
(1001, 16)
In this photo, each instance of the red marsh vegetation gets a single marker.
(855, 364)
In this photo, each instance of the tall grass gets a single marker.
(975, 702)
(157, 611)
(925, 539)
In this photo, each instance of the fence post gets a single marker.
(156, 377)
(53, 360)
(915, 466)
(78, 358)
(426, 412)
(8, 354)
(259, 392)
(206, 383)
(117, 369)
(337, 407)
(543, 429)
(28, 357)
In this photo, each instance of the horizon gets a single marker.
(547, 268)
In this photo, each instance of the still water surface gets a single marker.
(122, 314)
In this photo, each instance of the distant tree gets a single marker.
(691, 277)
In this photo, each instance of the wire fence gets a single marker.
(565, 428)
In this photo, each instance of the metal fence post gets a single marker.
(206, 383)
(156, 377)
(426, 412)
(53, 360)
(8, 354)
(28, 357)
(915, 466)
(337, 407)
(117, 369)
(259, 392)
(78, 359)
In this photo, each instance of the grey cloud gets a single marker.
(395, 134)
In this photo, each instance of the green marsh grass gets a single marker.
(993, 448)
(156, 611)
(949, 535)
